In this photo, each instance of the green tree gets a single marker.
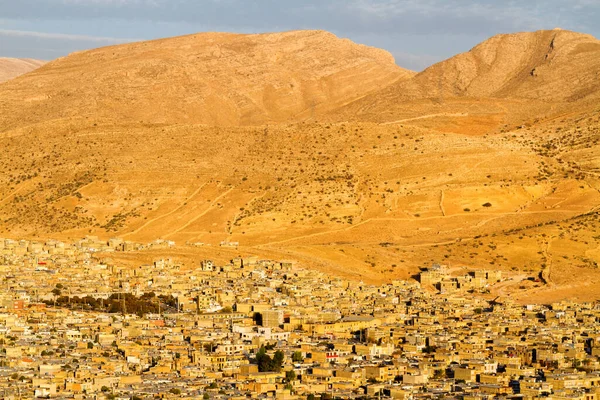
(439, 374)
(270, 346)
(278, 360)
(429, 349)
(263, 360)
(266, 363)
(290, 376)
(297, 357)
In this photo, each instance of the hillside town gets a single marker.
(73, 326)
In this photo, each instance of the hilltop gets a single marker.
(12, 67)
(302, 145)
(554, 65)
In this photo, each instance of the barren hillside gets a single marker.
(169, 139)
(209, 78)
(517, 74)
(12, 67)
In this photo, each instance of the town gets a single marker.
(74, 326)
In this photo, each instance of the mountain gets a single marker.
(520, 73)
(303, 146)
(556, 65)
(12, 67)
(208, 78)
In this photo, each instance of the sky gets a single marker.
(417, 32)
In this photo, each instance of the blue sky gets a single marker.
(417, 32)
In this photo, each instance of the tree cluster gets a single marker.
(148, 303)
(266, 363)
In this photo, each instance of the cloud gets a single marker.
(62, 36)
(48, 46)
(415, 30)
(359, 16)
(112, 3)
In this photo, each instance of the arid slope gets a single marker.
(12, 67)
(169, 139)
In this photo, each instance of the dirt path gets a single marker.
(316, 234)
(235, 218)
(329, 266)
(197, 217)
(545, 273)
(166, 214)
(426, 116)
(500, 289)
(442, 203)
(11, 194)
(496, 216)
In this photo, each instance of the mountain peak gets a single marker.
(546, 64)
